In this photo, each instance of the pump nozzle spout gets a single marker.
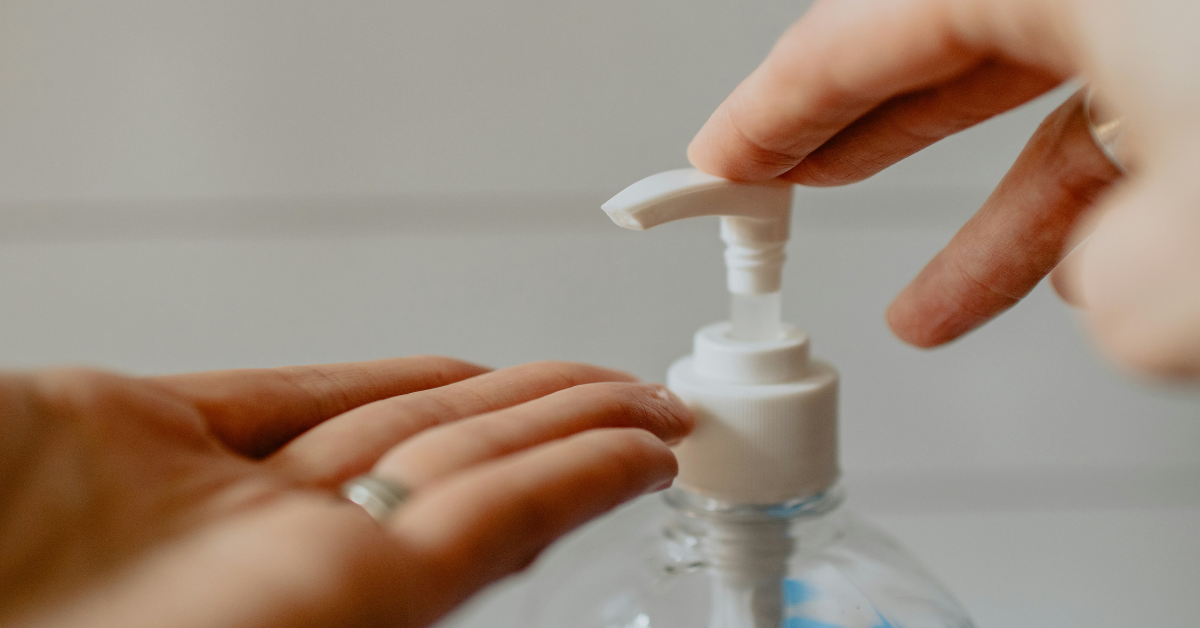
(754, 225)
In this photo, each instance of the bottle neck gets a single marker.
(727, 531)
(747, 548)
(755, 317)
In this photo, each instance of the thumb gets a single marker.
(1139, 274)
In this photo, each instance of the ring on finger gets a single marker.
(379, 496)
(1107, 131)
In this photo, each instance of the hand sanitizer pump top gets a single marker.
(752, 534)
(766, 414)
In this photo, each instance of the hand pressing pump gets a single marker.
(752, 534)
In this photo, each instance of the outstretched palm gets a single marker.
(209, 499)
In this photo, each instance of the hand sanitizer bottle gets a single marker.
(752, 534)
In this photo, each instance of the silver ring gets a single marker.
(1106, 133)
(379, 497)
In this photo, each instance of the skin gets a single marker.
(856, 85)
(210, 499)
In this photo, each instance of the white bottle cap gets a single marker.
(766, 418)
(766, 415)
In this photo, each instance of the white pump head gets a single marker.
(754, 224)
(766, 414)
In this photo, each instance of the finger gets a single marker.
(1140, 272)
(350, 444)
(844, 59)
(908, 123)
(439, 451)
(1014, 240)
(1065, 276)
(494, 518)
(255, 411)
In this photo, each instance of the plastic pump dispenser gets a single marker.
(767, 414)
(754, 225)
(752, 534)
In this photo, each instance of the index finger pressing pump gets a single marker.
(752, 534)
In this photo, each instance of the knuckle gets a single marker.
(88, 400)
(823, 169)
(756, 151)
(78, 388)
(105, 405)
(303, 379)
(990, 287)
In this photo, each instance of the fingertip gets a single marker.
(721, 149)
(650, 407)
(637, 459)
(907, 324)
(658, 463)
(704, 152)
(696, 149)
(683, 419)
(921, 320)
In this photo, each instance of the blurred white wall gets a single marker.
(170, 98)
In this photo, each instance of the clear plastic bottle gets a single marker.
(678, 560)
(753, 534)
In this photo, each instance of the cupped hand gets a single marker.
(857, 85)
(210, 499)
